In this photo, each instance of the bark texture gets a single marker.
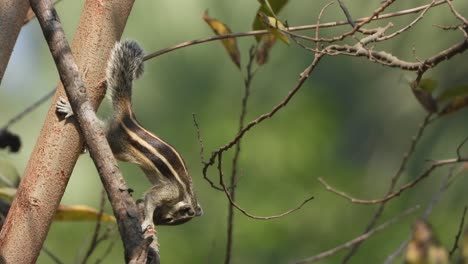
(12, 14)
(59, 144)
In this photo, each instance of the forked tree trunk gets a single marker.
(58, 146)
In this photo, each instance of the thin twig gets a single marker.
(234, 176)
(226, 191)
(455, 12)
(409, 25)
(303, 77)
(51, 255)
(200, 140)
(394, 194)
(460, 230)
(107, 252)
(430, 206)
(97, 228)
(358, 239)
(461, 146)
(28, 109)
(290, 29)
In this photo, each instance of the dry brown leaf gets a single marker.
(230, 44)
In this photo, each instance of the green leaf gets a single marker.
(423, 93)
(451, 93)
(276, 6)
(428, 84)
(80, 213)
(274, 26)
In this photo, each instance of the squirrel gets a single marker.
(171, 200)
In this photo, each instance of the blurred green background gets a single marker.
(350, 124)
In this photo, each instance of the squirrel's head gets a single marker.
(176, 214)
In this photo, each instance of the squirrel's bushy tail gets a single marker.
(125, 65)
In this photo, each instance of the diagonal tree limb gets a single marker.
(124, 207)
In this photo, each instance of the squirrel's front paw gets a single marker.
(63, 107)
(147, 227)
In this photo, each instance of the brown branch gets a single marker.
(12, 13)
(456, 13)
(461, 146)
(392, 195)
(361, 23)
(460, 230)
(242, 210)
(51, 255)
(387, 59)
(418, 18)
(234, 176)
(106, 252)
(393, 181)
(124, 207)
(363, 20)
(358, 239)
(303, 77)
(202, 148)
(430, 206)
(28, 109)
(30, 14)
(94, 240)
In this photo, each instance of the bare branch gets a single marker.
(94, 240)
(303, 77)
(28, 109)
(387, 59)
(409, 25)
(456, 13)
(460, 147)
(51, 255)
(415, 140)
(460, 230)
(403, 188)
(430, 206)
(363, 20)
(228, 195)
(234, 176)
(358, 239)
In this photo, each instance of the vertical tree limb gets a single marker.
(58, 147)
(12, 14)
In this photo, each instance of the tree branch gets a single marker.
(124, 207)
(358, 239)
(394, 194)
(12, 13)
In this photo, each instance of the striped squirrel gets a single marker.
(171, 199)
